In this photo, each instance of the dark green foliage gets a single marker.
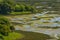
(4, 21)
(1, 38)
(7, 6)
(5, 26)
(4, 33)
(12, 28)
(19, 8)
(24, 8)
(29, 8)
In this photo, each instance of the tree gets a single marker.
(5, 8)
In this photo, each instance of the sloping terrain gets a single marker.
(34, 36)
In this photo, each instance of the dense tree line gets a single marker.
(6, 7)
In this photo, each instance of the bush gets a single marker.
(5, 26)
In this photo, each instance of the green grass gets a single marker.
(13, 36)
